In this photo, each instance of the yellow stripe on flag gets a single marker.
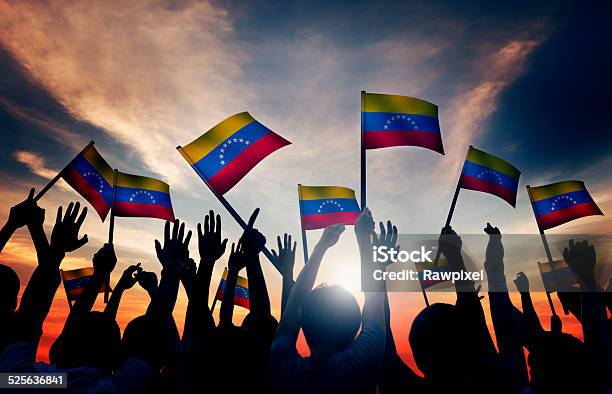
(213, 137)
(77, 273)
(97, 161)
(375, 102)
(242, 282)
(142, 182)
(554, 189)
(323, 192)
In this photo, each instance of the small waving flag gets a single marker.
(75, 281)
(241, 294)
(557, 276)
(143, 197)
(226, 153)
(390, 120)
(91, 176)
(489, 174)
(561, 202)
(322, 206)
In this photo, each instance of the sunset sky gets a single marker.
(529, 83)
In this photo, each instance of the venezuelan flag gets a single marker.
(322, 206)
(143, 197)
(389, 120)
(91, 176)
(75, 281)
(422, 266)
(241, 293)
(557, 276)
(561, 202)
(489, 174)
(226, 153)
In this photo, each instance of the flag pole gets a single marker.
(111, 230)
(59, 175)
(548, 255)
(423, 292)
(363, 154)
(304, 239)
(453, 204)
(227, 205)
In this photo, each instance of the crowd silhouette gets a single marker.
(352, 349)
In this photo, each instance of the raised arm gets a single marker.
(468, 301)
(127, 281)
(286, 260)
(42, 286)
(374, 304)
(531, 322)
(253, 242)
(237, 261)
(104, 262)
(174, 257)
(289, 325)
(211, 247)
(506, 322)
(581, 258)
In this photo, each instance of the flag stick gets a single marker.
(227, 206)
(304, 239)
(548, 255)
(363, 154)
(452, 206)
(424, 292)
(59, 175)
(111, 230)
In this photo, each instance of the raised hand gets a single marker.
(387, 237)
(252, 240)
(210, 245)
(129, 277)
(238, 258)
(450, 243)
(148, 281)
(285, 255)
(331, 235)
(176, 245)
(104, 261)
(494, 262)
(581, 258)
(26, 212)
(522, 283)
(65, 235)
(364, 227)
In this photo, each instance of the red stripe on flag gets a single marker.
(322, 220)
(385, 139)
(479, 185)
(560, 216)
(240, 301)
(84, 188)
(135, 209)
(235, 170)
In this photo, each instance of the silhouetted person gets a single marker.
(330, 317)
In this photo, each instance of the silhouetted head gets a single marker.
(92, 340)
(437, 342)
(9, 290)
(330, 318)
(560, 363)
(151, 340)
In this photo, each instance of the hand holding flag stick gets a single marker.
(556, 204)
(226, 153)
